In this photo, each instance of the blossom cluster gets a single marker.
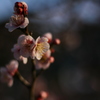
(7, 73)
(39, 50)
(19, 19)
(47, 59)
(27, 47)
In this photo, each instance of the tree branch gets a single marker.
(23, 80)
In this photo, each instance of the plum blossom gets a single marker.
(26, 44)
(12, 67)
(16, 52)
(51, 40)
(26, 40)
(48, 35)
(6, 77)
(31, 48)
(41, 47)
(21, 8)
(17, 21)
(7, 73)
(45, 62)
(42, 96)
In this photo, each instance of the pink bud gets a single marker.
(51, 59)
(21, 8)
(43, 95)
(57, 41)
(48, 36)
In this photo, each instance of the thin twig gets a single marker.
(34, 72)
(32, 87)
(25, 30)
(40, 72)
(35, 75)
(23, 80)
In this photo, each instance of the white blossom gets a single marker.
(17, 21)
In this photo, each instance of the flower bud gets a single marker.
(42, 96)
(48, 36)
(57, 41)
(21, 8)
(51, 59)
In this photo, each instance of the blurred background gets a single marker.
(75, 74)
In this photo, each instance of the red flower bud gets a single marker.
(21, 8)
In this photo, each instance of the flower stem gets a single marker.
(25, 30)
(35, 75)
(23, 80)
(32, 95)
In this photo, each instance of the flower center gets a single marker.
(17, 20)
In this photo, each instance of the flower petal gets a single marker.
(10, 82)
(41, 48)
(24, 52)
(12, 66)
(25, 4)
(26, 22)
(39, 64)
(5, 77)
(24, 59)
(24, 40)
(49, 36)
(10, 27)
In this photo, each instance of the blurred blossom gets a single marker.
(17, 21)
(7, 73)
(48, 36)
(42, 96)
(52, 41)
(28, 47)
(17, 55)
(26, 40)
(57, 16)
(41, 47)
(45, 62)
(12, 67)
(21, 8)
(56, 41)
(6, 77)
(26, 43)
(46, 59)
